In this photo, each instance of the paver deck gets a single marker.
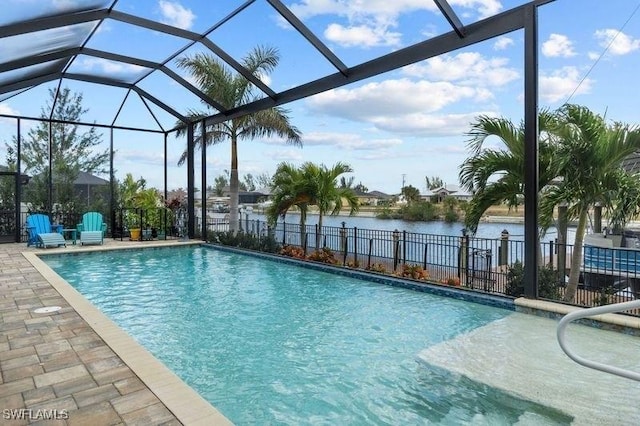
(74, 366)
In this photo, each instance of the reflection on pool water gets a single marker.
(267, 342)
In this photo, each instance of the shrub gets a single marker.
(377, 267)
(352, 264)
(418, 211)
(547, 282)
(242, 240)
(325, 256)
(413, 271)
(452, 281)
(292, 251)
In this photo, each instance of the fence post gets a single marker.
(463, 256)
(344, 253)
(396, 248)
(370, 250)
(343, 238)
(551, 254)
(284, 233)
(504, 248)
(404, 247)
(317, 237)
(424, 260)
(355, 246)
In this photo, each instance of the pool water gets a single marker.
(271, 343)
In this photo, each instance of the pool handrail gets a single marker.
(589, 312)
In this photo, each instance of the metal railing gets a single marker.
(590, 312)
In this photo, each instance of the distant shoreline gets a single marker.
(370, 213)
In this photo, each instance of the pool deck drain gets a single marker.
(74, 366)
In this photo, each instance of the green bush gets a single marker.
(418, 211)
(247, 241)
(548, 285)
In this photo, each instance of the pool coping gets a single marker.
(187, 405)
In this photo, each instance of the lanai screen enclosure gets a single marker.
(44, 41)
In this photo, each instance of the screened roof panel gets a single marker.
(468, 12)
(360, 31)
(105, 68)
(322, 45)
(193, 15)
(132, 40)
(190, 53)
(14, 11)
(161, 86)
(9, 95)
(299, 61)
(46, 41)
(20, 75)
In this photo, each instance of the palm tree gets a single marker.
(496, 175)
(232, 90)
(329, 195)
(589, 157)
(290, 188)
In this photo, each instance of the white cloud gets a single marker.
(361, 35)
(558, 45)
(432, 125)
(110, 67)
(392, 98)
(468, 68)
(399, 106)
(558, 85)
(369, 23)
(618, 43)
(6, 109)
(285, 155)
(349, 141)
(385, 10)
(502, 43)
(176, 15)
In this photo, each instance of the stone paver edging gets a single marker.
(185, 403)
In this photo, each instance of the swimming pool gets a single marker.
(267, 342)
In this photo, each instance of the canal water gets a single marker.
(491, 230)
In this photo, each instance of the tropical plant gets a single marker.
(434, 182)
(496, 175)
(328, 196)
(579, 161)
(290, 187)
(588, 158)
(135, 196)
(310, 185)
(411, 193)
(232, 90)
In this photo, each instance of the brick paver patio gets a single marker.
(56, 364)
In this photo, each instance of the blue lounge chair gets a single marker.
(42, 233)
(92, 228)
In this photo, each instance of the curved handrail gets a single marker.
(589, 312)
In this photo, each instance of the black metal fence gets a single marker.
(482, 264)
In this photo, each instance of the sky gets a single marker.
(396, 128)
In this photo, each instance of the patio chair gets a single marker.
(42, 233)
(92, 228)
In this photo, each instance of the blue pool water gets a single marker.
(271, 343)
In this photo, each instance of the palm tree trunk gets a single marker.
(319, 236)
(233, 187)
(303, 220)
(576, 257)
